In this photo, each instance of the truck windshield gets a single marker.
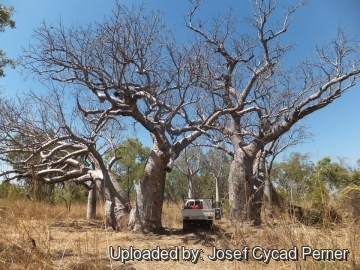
(197, 204)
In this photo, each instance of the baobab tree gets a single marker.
(262, 166)
(131, 64)
(248, 74)
(54, 143)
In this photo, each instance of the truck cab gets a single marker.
(194, 204)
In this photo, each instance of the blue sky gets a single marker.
(335, 129)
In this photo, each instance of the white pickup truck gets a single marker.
(197, 212)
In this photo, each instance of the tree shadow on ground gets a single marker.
(204, 235)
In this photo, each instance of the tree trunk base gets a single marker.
(143, 226)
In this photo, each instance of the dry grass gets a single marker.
(41, 236)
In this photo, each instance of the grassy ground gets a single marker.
(42, 236)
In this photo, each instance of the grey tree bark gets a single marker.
(91, 204)
(269, 206)
(146, 214)
(257, 184)
(239, 192)
(115, 200)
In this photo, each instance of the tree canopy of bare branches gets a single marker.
(42, 139)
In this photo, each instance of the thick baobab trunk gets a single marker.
(269, 208)
(257, 189)
(116, 203)
(91, 204)
(246, 186)
(239, 186)
(146, 214)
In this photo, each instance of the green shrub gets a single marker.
(9, 190)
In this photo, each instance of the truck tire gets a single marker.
(211, 227)
(185, 225)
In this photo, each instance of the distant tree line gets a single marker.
(296, 178)
(299, 180)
